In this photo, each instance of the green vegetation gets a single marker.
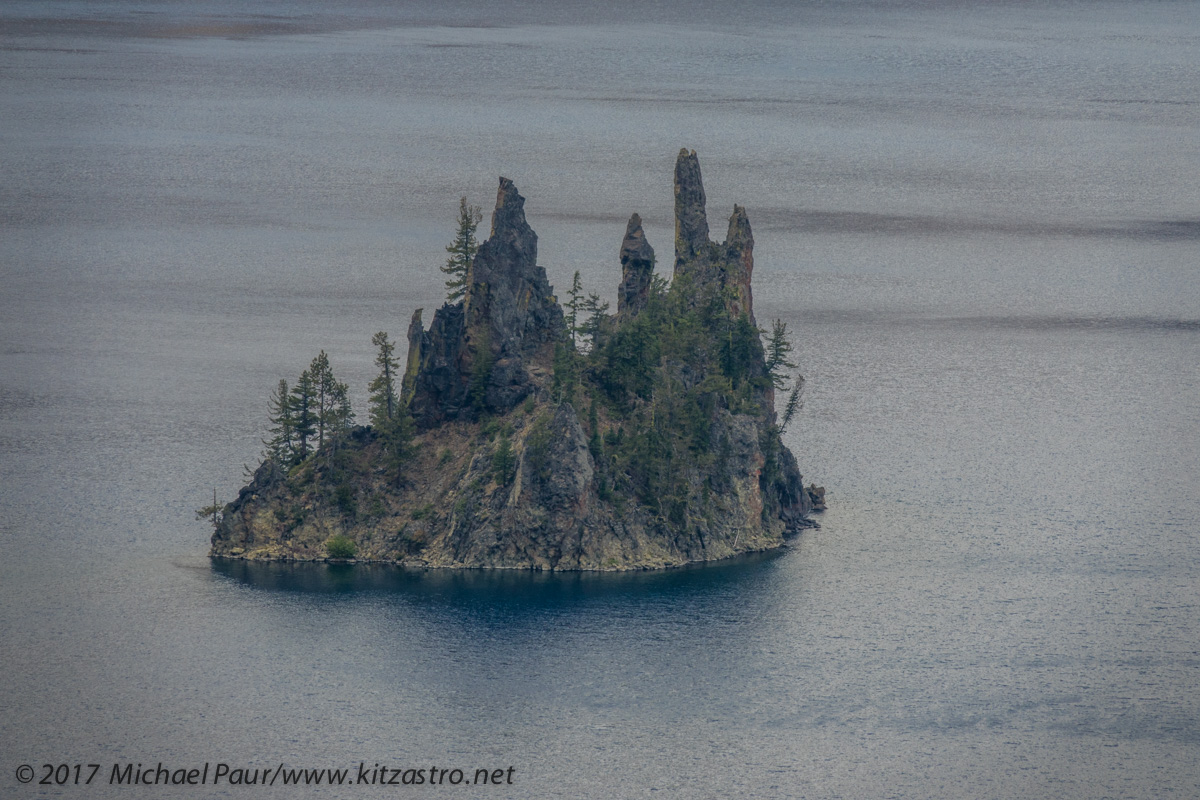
(481, 372)
(390, 419)
(343, 497)
(462, 251)
(340, 546)
(385, 405)
(664, 374)
(504, 461)
(794, 403)
(212, 513)
(654, 387)
(571, 307)
(537, 448)
(318, 406)
(778, 350)
(591, 326)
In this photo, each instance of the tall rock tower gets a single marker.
(725, 268)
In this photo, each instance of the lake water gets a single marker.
(980, 220)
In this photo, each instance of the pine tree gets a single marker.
(213, 513)
(304, 417)
(332, 410)
(795, 402)
(566, 371)
(593, 326)
(384, 404)
(341, 415)
(572, 306)
(389, 417)
(462, 251)
(504, 461)
(398, 444)
(281, 446)
(481, 372)
(778, 349)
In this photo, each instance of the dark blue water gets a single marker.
(980, 220)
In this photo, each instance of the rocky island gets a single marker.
(530, 433)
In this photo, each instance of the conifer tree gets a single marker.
(385, 406)
(332, 412)
(795, 402)
(778, 349)
(304, 417)
(281, 446)
(566, 371)
(462, 251)
(593, 326)
(341, 415)
(213, 513)
(324, 386)
(481, 372)
(572, 306)
(504, 461)
(398, 444)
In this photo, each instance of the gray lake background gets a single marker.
(981, 221)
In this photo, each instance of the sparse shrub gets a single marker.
(504, 461)
(343, 496)
(340, 546)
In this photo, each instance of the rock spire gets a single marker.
(473, 358)
(726, 268)
(637, 269)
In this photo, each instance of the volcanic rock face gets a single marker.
(472, 359)
(726, 267)
(739, 263)
(677, 459)
(509, 301)
(637, 269)
(691, 220)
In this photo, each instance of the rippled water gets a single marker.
(980, 220)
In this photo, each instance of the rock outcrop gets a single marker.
(692, 249)
(473, 359)
(637, 270)
(657, 447)
(727, 267)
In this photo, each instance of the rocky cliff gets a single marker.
(654, 445)
(476, 356)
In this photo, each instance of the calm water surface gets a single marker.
(980, 220)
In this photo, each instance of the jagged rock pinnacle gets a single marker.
(502, 273)
(691, 223)
(725, 268)
(739, 262)
(473, 358)
(637, 268)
